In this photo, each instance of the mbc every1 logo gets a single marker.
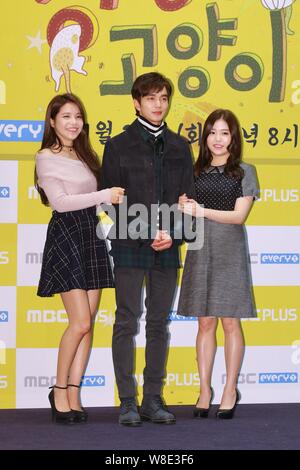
(3, 316)
(21, 131)
(4, 192)
(279, 258)
(93, 381)
(278, 377)
(45, 381)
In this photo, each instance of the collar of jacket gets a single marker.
(134, 134)
(150, 138)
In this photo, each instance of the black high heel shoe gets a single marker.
(228, 414)
(203, 412)
(81, 416)
(61, 417)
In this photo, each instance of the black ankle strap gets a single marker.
(57, 386)
(72, 385)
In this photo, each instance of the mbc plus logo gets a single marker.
(277, 314)
(182, 379)
(278, 378)
(4, 259)
(279, 195)
(3, 381)
(21, 131)
(2, 92)
(4, 192)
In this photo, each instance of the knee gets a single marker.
(157, 322)
(230, 325)
(157, 328)
(207, 325)
(83, 327)
(126, 327)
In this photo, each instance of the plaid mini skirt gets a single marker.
(75, 254)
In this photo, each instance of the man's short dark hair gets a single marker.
(150, 82)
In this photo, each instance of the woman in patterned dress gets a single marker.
(216, 280)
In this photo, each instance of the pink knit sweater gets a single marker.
(69, 184)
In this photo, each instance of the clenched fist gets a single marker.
(117, 195)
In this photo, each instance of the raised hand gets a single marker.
(117, 195)
(191, 207)
(182, 199)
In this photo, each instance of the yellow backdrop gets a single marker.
(239, 54)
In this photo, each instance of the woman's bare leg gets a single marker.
(234, 351)
(77, 306)
(82, 355)
(206, 346)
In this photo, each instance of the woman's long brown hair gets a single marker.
(81, 144)
(232, 167)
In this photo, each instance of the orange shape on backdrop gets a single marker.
(58, 21)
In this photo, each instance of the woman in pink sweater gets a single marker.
(75, 261)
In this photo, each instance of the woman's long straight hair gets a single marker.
(232, 167)
(81, 144)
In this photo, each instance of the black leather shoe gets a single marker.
(81, 416)
(128, 412)
(154, 409)
(203, 412)
(228, 414)
(60, 417)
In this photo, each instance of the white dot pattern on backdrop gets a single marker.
(218, 191)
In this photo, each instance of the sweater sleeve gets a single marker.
(55, 191)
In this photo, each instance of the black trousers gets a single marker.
(160, 289)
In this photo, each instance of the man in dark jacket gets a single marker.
(154, 166)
